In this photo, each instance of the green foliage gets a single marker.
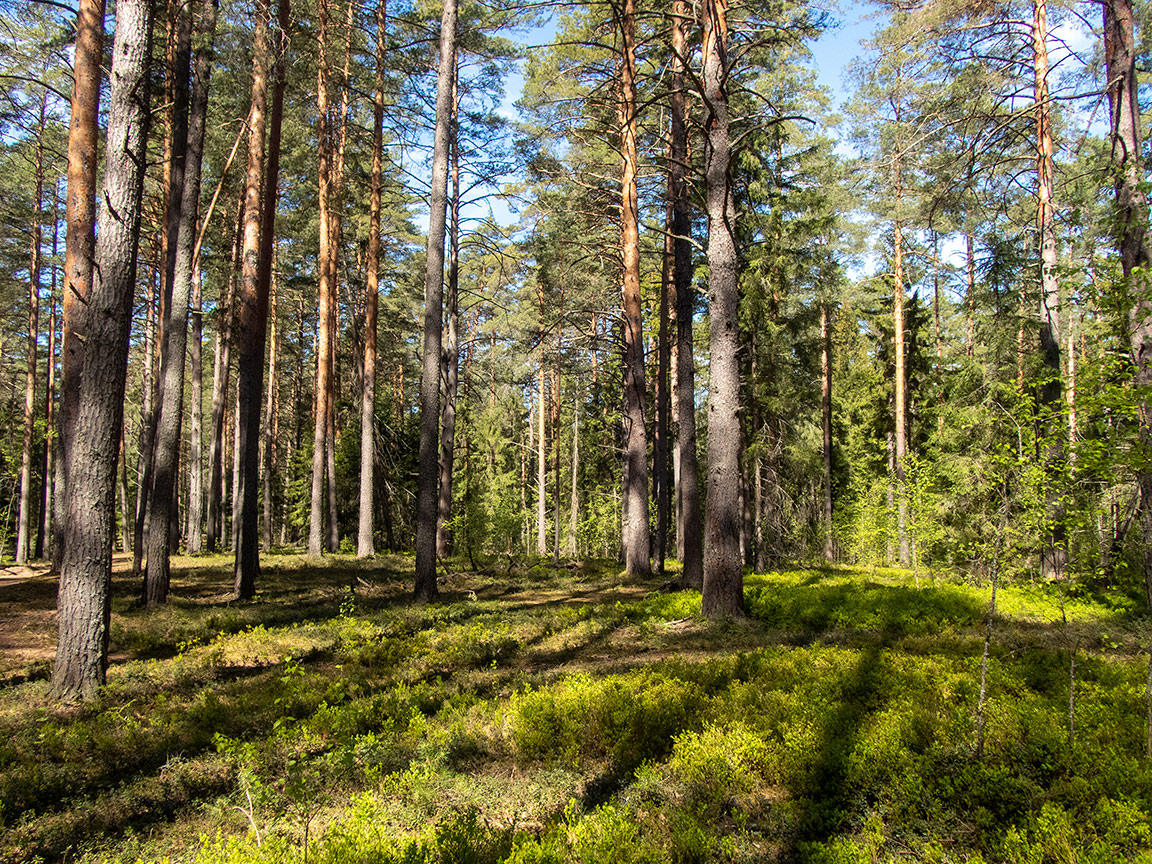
(559, 717)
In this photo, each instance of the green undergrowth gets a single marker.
(561, 714)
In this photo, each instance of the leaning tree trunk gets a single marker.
(723, 594)
(166, 455)
(426, 497)
(1131, 226)
(365, 542)
(634, 530)
(1054, 555)
(255, 285)
(688, 527)
(24, 515)
(97, 317)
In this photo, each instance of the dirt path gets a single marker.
(27, 619)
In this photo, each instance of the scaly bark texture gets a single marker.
(634, 532)
(259, 231)
(97, 316)
(1132, 237)
(365, 543)
(723, 593)
(1054, 556)
(427, 491)
(166, 455)
(689, 538)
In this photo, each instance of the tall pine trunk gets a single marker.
(365, 543)
(97, 316)
(427, 491)
(259, 233)
(47, 527)
(689, 527)
(195, 517)
(660, 491)
(900, 409)
(1054, 554)
(268, 439)
(451, 337)
(166, 454)
(1131, 225)
(634, 530)
(723, 593)
(326, 268)
(24, 515)
(221, 369)
(826, 425)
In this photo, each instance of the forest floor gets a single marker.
(543, 713)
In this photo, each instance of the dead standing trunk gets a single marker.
(426, 498)
(97, 316)
(723, 593)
